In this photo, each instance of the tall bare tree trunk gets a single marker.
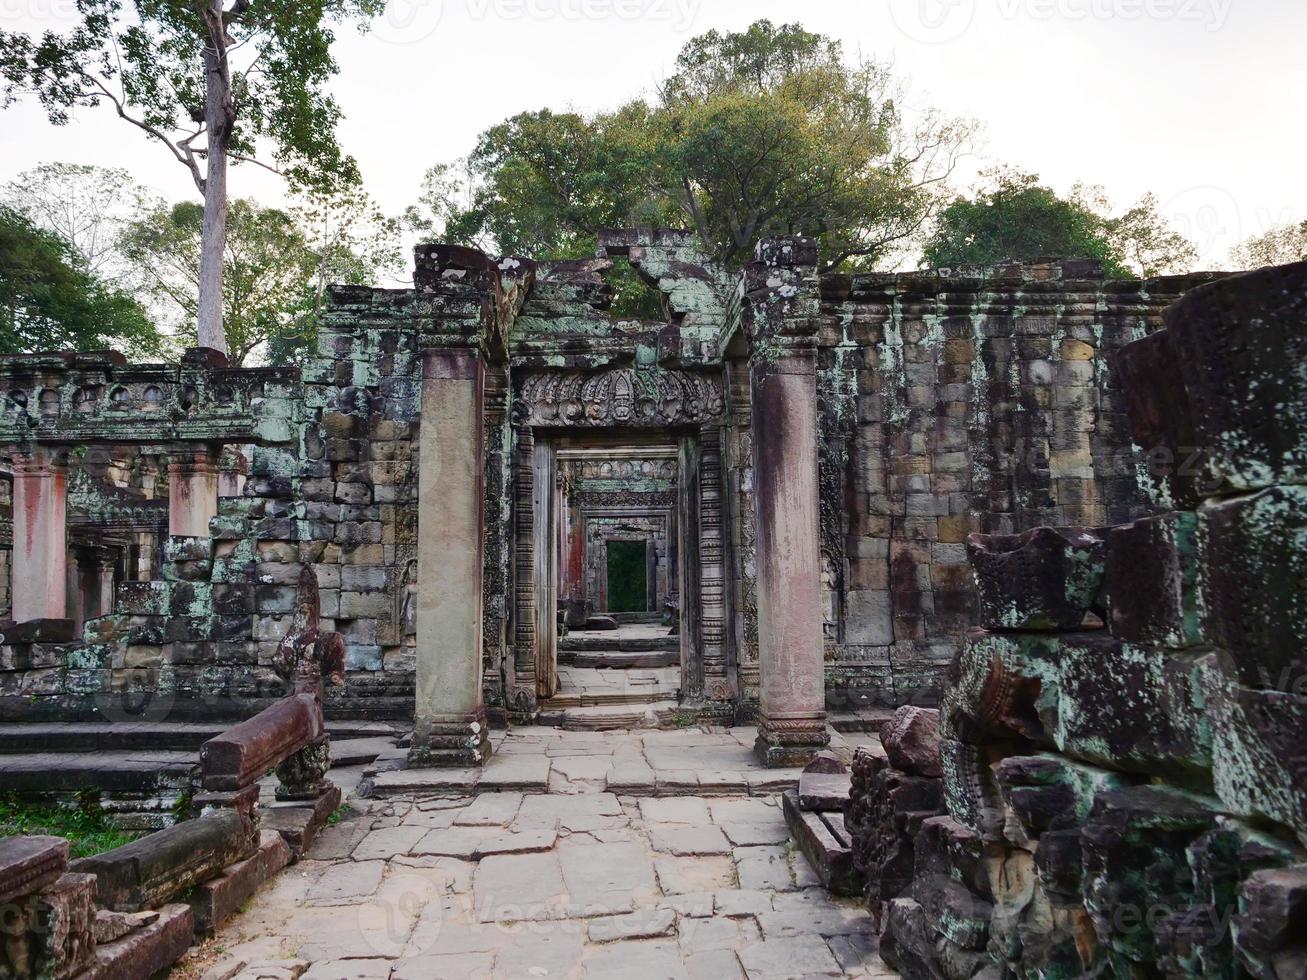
(219, 113)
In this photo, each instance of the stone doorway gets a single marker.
(627, 579)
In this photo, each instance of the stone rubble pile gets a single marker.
(1127, 799)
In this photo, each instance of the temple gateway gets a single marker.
(520, 509)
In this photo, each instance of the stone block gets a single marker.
(1254, 585)
(155, 869)
(1044, 579)
(28, 864)
(247, 751)
(1269, 938)
(214, 900)
(1242, 352)
(149, 951)
(911, 740)
(1151, 587)
(50, 934)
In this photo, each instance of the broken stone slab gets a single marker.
(911, 741)
(299, 823)
(1259, 758)
(153, 870)
(1171, 463)
(1269, 939)
(1046, 793)
(823, 793)
(110, 926)
(28, 864)
(215, 900)
(247, 751)
(943, 848)
(1241, 350)
(148, 951)
(1044, 579)
(1133, 830)
(825, 842)
(1254, 585)
(38, 631)
(1151, 586)
(1087, 695)
(649, 923)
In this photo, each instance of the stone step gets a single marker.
(26, 738)
(624, 659)
(598, 699)
(133, 773)
(615, 641)
(611, 717)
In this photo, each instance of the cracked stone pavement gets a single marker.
(575, 881)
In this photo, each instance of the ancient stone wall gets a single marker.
(955, 402)
(1120, 787)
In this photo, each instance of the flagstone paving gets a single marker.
(567, 880)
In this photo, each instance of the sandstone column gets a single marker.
(450, 715)
(192, 492)
(783, 382)
(40, 562)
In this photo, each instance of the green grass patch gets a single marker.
(86, 826)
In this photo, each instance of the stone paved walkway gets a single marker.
(569, 881)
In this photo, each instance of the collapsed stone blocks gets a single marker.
(1135, 792)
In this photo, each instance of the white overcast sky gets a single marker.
(1202, 101)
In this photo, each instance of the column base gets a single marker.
(450, 742)
(785, 743)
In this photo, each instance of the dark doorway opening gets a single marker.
(628, 582)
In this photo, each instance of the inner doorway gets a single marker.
(627, 569)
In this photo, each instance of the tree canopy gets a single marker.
(50, 301)
(771, 130)
(1279, 246)
(277, 264)
(1017, 217)
(232, 79)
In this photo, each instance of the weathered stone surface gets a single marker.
(245, 752)
(214, 900)
(1171, 465)
(148, 951)
(1254, 585)
(153, 870)
(1151, 584)
(1269, 938)
(50, 933)
(1044, 579)
(820, 793)
(826, 843)
(911, 741)
(1241, 351)
(28, 864)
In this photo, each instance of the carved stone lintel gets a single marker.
(621, 396)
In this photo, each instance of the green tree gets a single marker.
(1016, 217)
(276, 267)
(771, 130)
(1279, 246)
(50, 301)
(86, 205)
(209, 84)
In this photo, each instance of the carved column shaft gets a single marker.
(40, 562)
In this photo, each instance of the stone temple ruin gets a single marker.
(1055, 522)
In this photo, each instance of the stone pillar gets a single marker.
(106, 570)
(192, 492)
(450, 715)
(783, 383)
(40, 563)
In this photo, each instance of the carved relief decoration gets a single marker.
(618, 397)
